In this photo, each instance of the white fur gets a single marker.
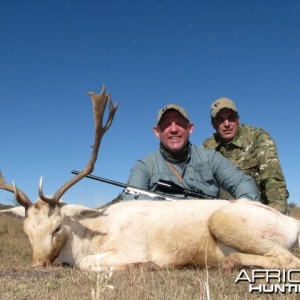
(161, 233)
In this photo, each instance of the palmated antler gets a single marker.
(20, 196)
(99, 105)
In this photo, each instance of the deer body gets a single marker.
(168, 234)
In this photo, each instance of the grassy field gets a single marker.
(18, 280)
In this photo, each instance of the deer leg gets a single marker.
(253, 243)
(111, 261)
(284, 260)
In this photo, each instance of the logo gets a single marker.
(271, 281)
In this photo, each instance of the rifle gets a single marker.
(130, 189)
(162, 186)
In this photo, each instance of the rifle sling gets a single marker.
(171, 167)
(179, 177)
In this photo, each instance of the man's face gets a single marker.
(226, 123)
(173, 131)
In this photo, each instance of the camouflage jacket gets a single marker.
(254, 151)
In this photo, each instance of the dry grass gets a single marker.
(18, 280)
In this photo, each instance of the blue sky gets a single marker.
(148, 54)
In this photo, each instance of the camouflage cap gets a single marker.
(174, 107)
(221, 103)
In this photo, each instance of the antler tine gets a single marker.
(99, 104)
(20, 196)
(50, 201)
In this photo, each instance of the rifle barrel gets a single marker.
(103, 179)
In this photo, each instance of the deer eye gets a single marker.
(57, 229)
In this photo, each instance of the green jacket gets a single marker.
(205, 170)
(254, 151)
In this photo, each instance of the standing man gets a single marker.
(250, 149)
(177, 160)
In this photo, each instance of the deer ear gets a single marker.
(17, 212)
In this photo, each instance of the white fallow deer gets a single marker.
(153, 234)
